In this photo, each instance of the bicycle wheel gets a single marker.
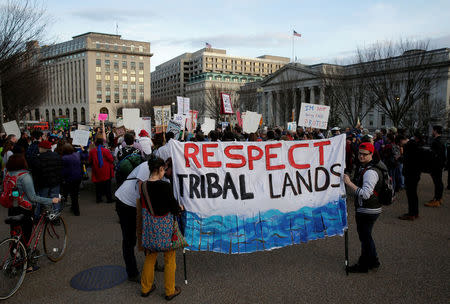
(55, 239)
(13, 266)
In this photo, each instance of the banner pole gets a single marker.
(184, 261)
(346, 250)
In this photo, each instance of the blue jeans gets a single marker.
(49, 192)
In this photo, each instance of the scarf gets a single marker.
(100, 156)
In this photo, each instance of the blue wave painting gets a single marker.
(265, 231)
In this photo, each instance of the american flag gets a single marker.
(208, 46)
(297, 34)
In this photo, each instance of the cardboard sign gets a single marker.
(80, 138)
(162, 115)
(314, 116)
(183, 104)
(174, 127)
(102, 117)
(227, 108)
(250, 122)
(120, 131)
(251, 196)
(209, 125)
(130, 118)
(11, 127)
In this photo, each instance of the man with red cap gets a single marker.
(368, 181)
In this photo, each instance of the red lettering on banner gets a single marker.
(206, 154)
(269, 156)
(252, 157)
(192, 155)
(235, 156)
(291, 157)
(320, 145)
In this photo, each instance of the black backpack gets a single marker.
(386, 193)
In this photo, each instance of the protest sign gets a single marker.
(80, 138)
(226, 108)
(243, 197)
(250, 121)
(102, 117)
(61, 123)
(314, 116)
(239, 119)
(181, 119)
(224, 125)
(292, 126)
(209, 125)
(83, 127)
(175, 128)
(130, 117)
(162, 115)
(11, 127)
(183, 104)
(119, 131)
(191, 120)
(145, 123)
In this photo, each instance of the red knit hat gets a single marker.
(143, 133)
(367, 146)
(45, 144)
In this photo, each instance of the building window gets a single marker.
(107, 77)
(124, 64)
(141, 65)
(124, 71)
(125, 86)
(116, 77)
(133, 79)
(98, 77)
(141, 79)
(107, 62)
(99, 98)
(383, 119)
(98, 62)
(141, 72)
(98, 69)
(125, 78)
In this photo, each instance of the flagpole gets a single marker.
(292, 45)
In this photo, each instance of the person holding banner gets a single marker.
(368, 208)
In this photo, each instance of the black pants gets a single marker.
(72, 188)
(103, 188)
(436, 175)
(364, 224)
(411, 182)
(27, 224)
(127, 216)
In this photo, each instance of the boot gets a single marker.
(433, 203)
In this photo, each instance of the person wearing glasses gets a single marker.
(368, 181)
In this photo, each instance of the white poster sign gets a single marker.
(175, 128)
(250, 121)
(80, 138)
(209, 125)
(183, 105)
(227, 108)
(314, 116)
(145, 123)
(83, 127)
(11, 127)
(181, 119)
(250, 196)
(131, 118)
(162, 115)
(292, 126)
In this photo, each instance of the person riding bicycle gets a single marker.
(17, 166)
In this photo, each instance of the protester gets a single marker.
(162, 202)
(146, 143)
(411, 171)
(101, 162)
(17, 166)
(368, 208)
(437, 164)
(71, 176)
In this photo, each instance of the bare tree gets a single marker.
(398, 75)
(21, 21)
(211, 105)
(347, 94)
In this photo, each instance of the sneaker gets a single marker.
(407, 217)
(358, 268)
(433, 203)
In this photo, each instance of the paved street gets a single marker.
(415, 259)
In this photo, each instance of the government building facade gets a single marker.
(94, 73)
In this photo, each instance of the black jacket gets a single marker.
(47, 169)
(438, 153)
(413, 159)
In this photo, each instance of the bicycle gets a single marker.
(16, 256)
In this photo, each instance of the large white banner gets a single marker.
(131, 118)
(249, 196)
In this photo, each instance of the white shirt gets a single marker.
(146, 144)
(128, 192)
(164, 151)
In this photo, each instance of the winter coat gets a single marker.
(71, 167)
(107, 171)
(47, 169)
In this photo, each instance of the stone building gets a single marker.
(94, 73)
(278, 96)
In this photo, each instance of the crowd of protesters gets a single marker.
(54, 166)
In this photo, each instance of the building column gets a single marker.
(322, 95)
(264, 106)
(312, 97)
(270, 118)
(294, 103)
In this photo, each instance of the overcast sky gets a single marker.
(331, 30)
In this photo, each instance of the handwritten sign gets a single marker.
(292, 126)
(119, 131)
(227, 108)
(11, 127)
(191, 121)
(183, 104)
(175, 128)
(80, 138)
(102, 117)
(162, 115)
(83, 127)
(314, 116)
